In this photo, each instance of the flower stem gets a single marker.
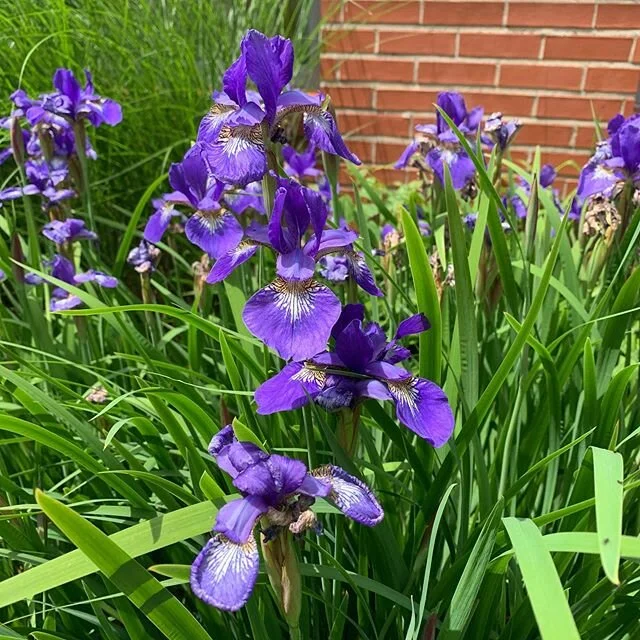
(348, 426)
(81, 151)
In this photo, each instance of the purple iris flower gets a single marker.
(294, 314)
(615, 160)
(334, 268)
(438, 144)
(143, 258)
(300, 165)
(248, 198)
(234, 130)
(499, 132)
(279, 491)
(362, 365)
(211, 227)
(44, 179)
(70, 102)
(69, 230)
(63, 269)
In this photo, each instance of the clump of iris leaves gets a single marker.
(524, 525)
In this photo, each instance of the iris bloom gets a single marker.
(45, 179)
(438, 145)
(144, 257)
(69, 230)
(279, 491)
(300, 164)
(248, 198)
(501, 133)
(363, 364)
(616, 160)
(72, 103)
(63, 269)
(241, 122)
(211, 227)
(294, 313)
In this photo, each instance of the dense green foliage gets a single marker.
(523, 526)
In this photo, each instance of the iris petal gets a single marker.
(422, 406)
(225, 265)
(224, 573)
(350, 495)
(216, 232)
(293, 317)
(290, 389)
(237, 156)
(237, 518)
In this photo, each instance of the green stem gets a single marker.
(81, 139)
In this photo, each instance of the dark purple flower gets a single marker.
(294, 314)
(211, 227)
(234, 128)
(363, 365)
(144, 257)
(461, 167)
(69, 230)
(250, 197)
(45, 179)
(300, 165)
(71, 102)
(63, 269)
(279, 491)
(615, 160)
(500, 132)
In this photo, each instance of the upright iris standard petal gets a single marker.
(234, 81)
(452, 103)
(350, 495)
(160, 220)
(215, 231)
(547, 175)
(405, 157)
(224, 573)
(349, 313)
(412, 325)
(422, 406)
(293, 317)
(460, 165)
(629, 140)
(237, 519)
(225, 265)
(296, 385)
(269, 64)
(354, 347)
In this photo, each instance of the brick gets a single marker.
(540, 76)
(586, 137)
(587, 48)
(578, 108)
(480, 45)
(375, 124)
(351, 97)
(330, 68)
(463, 13)
(617, 16)
(510, 105)
(391, 176)
(405, 100)
(574, 161)
(455, 73)
(330, 10)
(636, 51)
(613, 80)
(377, 70)
(389, 152)
(362, 148)
(348, 41)
(383, 11)
(532, 14)
(548, 135)
(416, 42)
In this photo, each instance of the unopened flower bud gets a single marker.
(17, 141)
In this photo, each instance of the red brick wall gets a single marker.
(546, 63)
